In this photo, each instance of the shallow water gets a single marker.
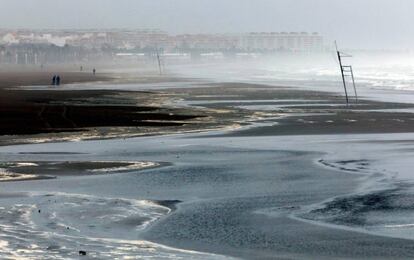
(223, 185)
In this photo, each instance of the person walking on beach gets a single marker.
(57, 80)
(54, 80)
(94, 71)
(81, 68)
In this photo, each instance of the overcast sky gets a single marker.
(354, 23)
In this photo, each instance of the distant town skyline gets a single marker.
(380, 24)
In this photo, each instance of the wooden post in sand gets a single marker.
(346, 71)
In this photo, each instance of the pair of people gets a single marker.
(56, 80)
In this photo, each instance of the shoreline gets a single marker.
(261, 112)
(268, 111)
(13, 79)
(61, 116)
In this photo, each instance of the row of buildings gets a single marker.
(259, 42)
(38, 46)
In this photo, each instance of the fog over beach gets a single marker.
(206, 130)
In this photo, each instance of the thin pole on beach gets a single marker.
(342, 72)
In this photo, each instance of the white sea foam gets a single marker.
(400, 226)
(57, 226)
(130, 167)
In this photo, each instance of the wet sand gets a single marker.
(291, 111)
(53, 114)
(23, 171)
(300, 112)
(49, 114)
(23, 77)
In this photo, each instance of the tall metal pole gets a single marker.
(342, 73)
(159, 62)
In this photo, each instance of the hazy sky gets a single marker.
(354, 23)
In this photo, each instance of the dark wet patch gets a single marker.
(59, 153)
(26, 112)
(359, 162)
(347, 165)
(68, 118)
(171, 204)
(53, 248)
(356, 210)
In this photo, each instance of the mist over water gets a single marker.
(253, 169)
(373, 70)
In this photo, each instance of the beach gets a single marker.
(80, 111)
(193, 168)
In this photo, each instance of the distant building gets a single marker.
(281, 41)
